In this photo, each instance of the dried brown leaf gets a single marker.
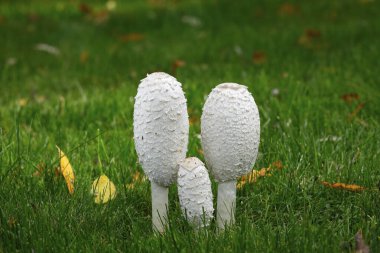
(85, 9)
(177, 64)
(288, 9)
(349, 97)
(259, 57)
(310, 38)
(357, 109)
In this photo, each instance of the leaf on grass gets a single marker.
(100, 17)
(342, 186)
(310, 38)
(259, 57)
(288, 9)
(137, 178)
(66, 170)
(12, 222)
(22, 102)
(103, 190)
(349, 97)
(357, 109)
(85, 9)
(255, 174)
(83, 57)
(40, 169)
(177, 64)
(131, 37)
(193, 118)
(361, 246)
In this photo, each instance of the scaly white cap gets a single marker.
(230, 131)
(194, 192)
(161, 127)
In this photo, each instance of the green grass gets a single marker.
(86, 109)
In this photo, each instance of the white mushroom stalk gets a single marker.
(161, 129)
(194, 192)
(230, 134)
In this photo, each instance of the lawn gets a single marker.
(69, 71)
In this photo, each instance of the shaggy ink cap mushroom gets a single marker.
(194, 192)
(230, 135)
(161, 129)
(230, 131)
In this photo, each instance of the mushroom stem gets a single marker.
(160, 205)
(226, 204)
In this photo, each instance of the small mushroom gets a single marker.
(161, 129)
(194, 192)
(230, 135)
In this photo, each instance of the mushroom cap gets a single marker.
(230, 131)
(194, 191)
(160, 126)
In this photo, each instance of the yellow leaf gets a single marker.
(83, 57)
(255, 174)
(66, 170)
(131, 37)
(342, 186)
(103, 190)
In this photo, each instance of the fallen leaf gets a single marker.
(349, 97)
(83, 57)
(40, 169)
(22, 102)
(357, 109)
(288, 9)
(33, 17)
(259, 57)
(131, 37)
(255, 174)
(100, 17)
(85, 9)
(136, 179)
(342, 186)
(103, 190)
(47, 48)
(66, 170)
(361, 246)
(309, 38)
(177, 64)
(12, 222)
(277, 165)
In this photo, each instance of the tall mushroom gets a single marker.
(230, 134)
(194, 192)
(161, 129)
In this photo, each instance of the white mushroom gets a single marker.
(230, 134)
(194, 192)
(161, 129)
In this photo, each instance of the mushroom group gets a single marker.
(230, 135)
